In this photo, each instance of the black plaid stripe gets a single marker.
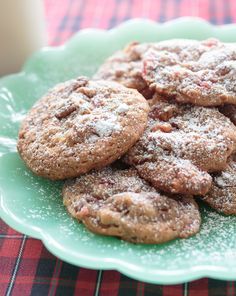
(113, 18)
(162, 16)
(217, 288)
(43, 275)
(227, 11)
(212, 12)
(128, 287)
(67, 279)
(79, 17)
(152, 290)
(63, 23)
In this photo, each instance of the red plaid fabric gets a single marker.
(26, 267)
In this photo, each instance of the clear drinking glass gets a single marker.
(22, 31)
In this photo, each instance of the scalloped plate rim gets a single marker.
(89, 261)
(93, 262)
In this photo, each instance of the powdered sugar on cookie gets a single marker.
(80, 125)
(180, 145)
(199, 74)
(119, 203)
(222, 195)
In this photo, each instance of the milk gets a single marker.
(22, 32)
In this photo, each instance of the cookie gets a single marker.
(229, 111)
(222, 195)
(125, 67)
(202, 73)
(119, 203)
(80, 125)
(180, 145)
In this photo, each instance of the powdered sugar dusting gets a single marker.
(120, 203)
(80, 123)
(122, 108)
(225, 179)
(105, 128)
(222, 195)
(214, 245)
(181, 144)
(199, 73)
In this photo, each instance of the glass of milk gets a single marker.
(22, 32)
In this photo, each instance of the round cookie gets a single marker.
(229, 111)
(202, 74)
(222, 195)
(80, 125)
(180, 145)
(125, 67)
(119, 203)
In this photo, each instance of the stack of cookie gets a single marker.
(153, 130)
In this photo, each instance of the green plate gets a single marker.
(33, 205)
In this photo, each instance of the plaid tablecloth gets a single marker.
(26, 267)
